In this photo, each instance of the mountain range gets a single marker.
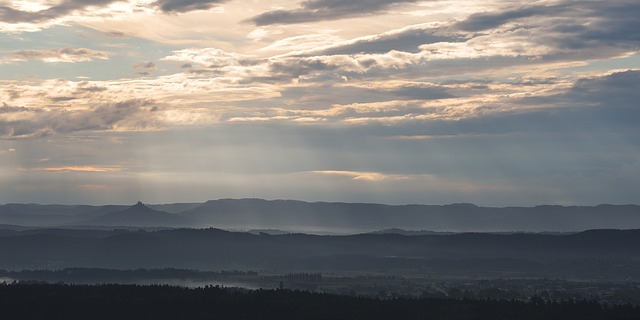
(326, 217)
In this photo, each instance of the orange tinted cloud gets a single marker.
(81, 169)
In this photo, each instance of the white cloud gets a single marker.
(302, 43)
(207, 57)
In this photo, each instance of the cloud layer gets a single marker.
(69, 55)
(175, 6)
(319, 10)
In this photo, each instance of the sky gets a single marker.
(497, 103)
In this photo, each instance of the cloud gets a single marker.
(34, 16)
(370, 99)
(340, 83)
(67, 55)
(491, 20)
(180, 6)
(614, 90)
(415, 181)
(522, 40)
(86, 88)
(525, 39)
(79, 169)
(116, 34)
(597, 105)
(11, 15)
(146, 67)
(361, 175)
(32, 122)
(323, 68)
(406, 39)
(321, 10)
(245, 69)
(7, 150)
(208, 57)
(569, 25)
(5, 108)
(302, 42)
(603, 104)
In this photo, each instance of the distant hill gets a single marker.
(138, 215)
(329, 217)
(174, 207)
(362, 217)
(409, 232)
(36, 215)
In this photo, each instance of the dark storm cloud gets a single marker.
(570, 25)
(319, 10)
(595, 105)
(614, 24)
(615, 91)
(179, 6)
(491, 20)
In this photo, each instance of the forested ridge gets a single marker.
(610, 255)
(49, 301)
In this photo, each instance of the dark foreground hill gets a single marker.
(594, 254)
(164, 302)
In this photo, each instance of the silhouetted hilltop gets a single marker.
(137, 215)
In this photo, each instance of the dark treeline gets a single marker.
(43, 301)
(98, 275)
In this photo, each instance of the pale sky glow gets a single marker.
(391, 101)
